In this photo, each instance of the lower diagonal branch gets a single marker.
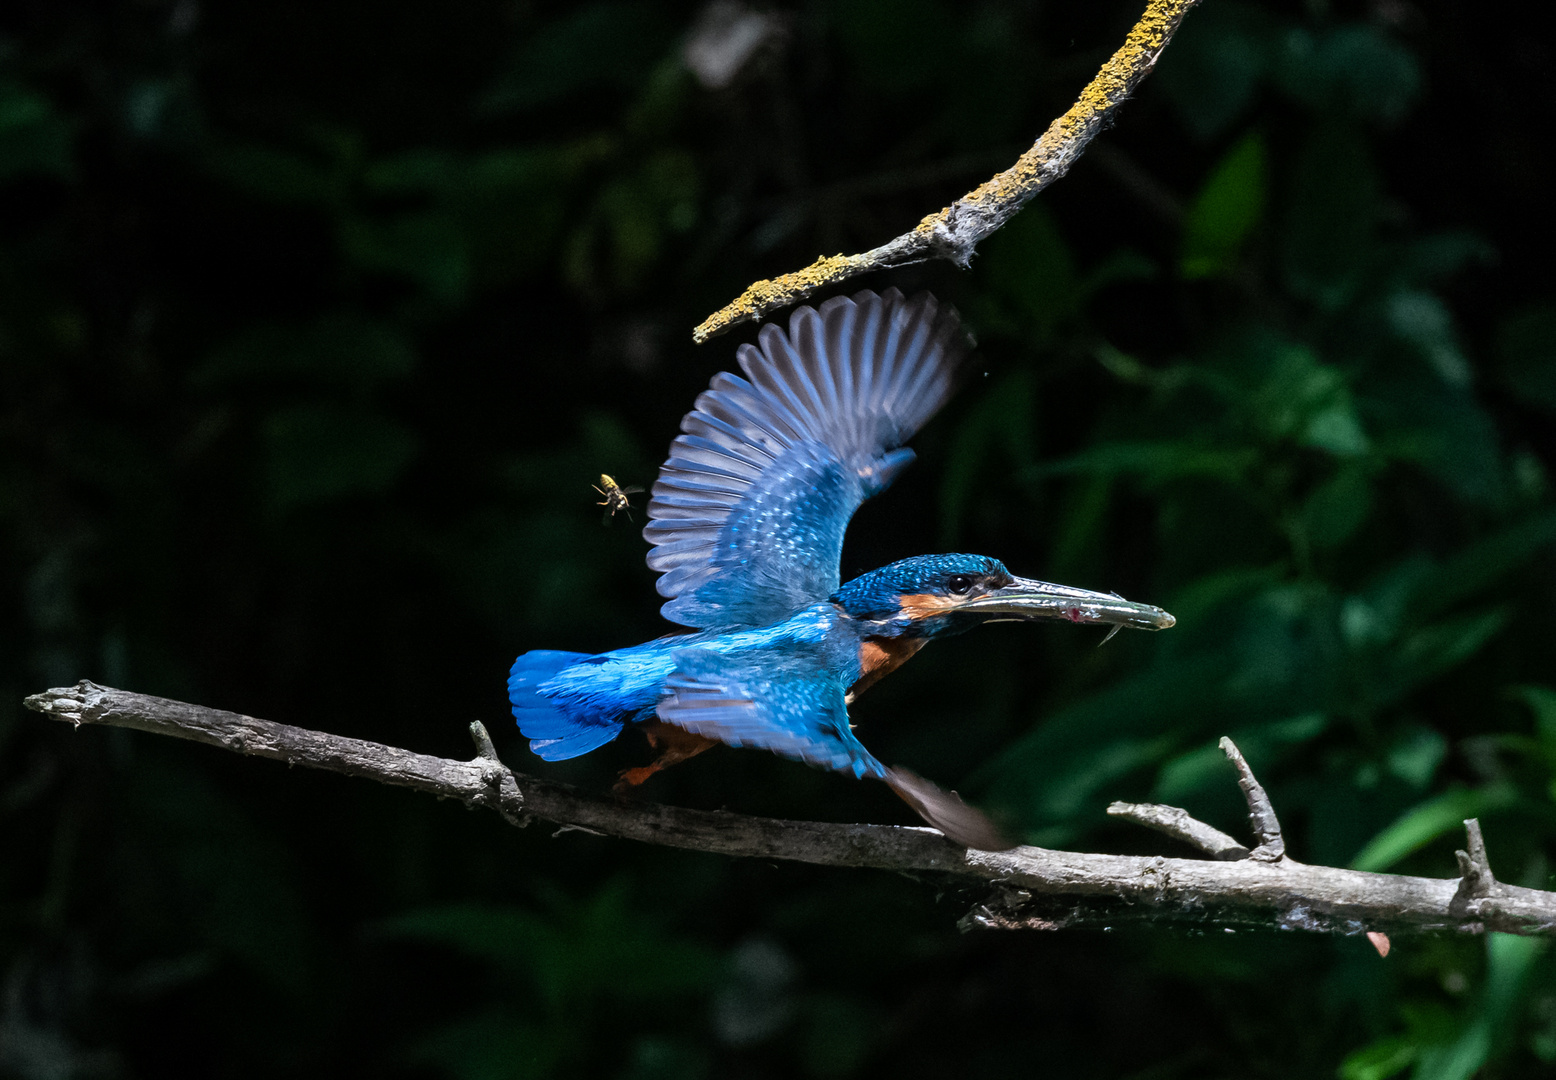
(1179, 825)
(1061, 885)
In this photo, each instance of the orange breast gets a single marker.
(879, 657)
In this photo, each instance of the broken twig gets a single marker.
(1178, 824)
(1261, 814)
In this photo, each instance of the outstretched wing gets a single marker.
(768, 700)
(748, 514)
(789, 704)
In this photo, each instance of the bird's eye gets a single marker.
(959, 584)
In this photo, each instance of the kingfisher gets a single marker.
(746, 524)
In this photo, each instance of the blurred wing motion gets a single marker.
(787, 704)
(946, 811)
(748, 514)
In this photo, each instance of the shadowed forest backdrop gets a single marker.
(317, 321)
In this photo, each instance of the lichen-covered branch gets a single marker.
(1034, 887)
(955, 232)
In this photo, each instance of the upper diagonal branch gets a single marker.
(955, 232)
(1284, 894)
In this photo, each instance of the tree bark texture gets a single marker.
(1032, 887)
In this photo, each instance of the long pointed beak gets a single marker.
(1027, 599)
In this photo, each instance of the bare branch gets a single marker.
(1177, 824)
(1037, 886)
(1475, 877)
(955, 232)
(1261, 814)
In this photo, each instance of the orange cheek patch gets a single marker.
(925, 605)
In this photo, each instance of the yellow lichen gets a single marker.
(1047, 158)
(771, 294)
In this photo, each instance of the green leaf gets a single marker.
(1418, 417)
(1416, 754)
(429, 248)
(1477, 567)
(1440, 256)
(1428, 821)
(1310, 402)
(422, 169)
(496, 1044)
(512, 205)
(1422, 320)
(1206, 767)
(1216, 64)
(581, 954)
(34, 137)
(1510, 960)
(897, 45)
(608, 44)
(1056, 774)
(1028, 265)
(1226, 210)
(278, 176)
(1336, 428)
(657, 1058)
(1001, 421)
(342, 349)
(1542, 702)
(1425, 653)
(1380, 1060)
(1354, 70)
(1156, 462)
(1330, 215)
(1337, 508)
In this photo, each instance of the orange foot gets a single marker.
(631, 778)
(674, 745)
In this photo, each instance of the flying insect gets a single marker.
(615, 497)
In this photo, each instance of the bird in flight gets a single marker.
(746, 524)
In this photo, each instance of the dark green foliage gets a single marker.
(317, 322)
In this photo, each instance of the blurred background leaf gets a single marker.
(317, 322)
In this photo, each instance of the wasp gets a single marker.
(615, 497)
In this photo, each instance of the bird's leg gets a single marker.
(674, 744)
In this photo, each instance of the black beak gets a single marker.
(1027, 599)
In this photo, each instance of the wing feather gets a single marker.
(776, 700)
(748, 513)
(771, 701)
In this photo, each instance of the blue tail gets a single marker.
(554, 733)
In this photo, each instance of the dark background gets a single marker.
(317, 321)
